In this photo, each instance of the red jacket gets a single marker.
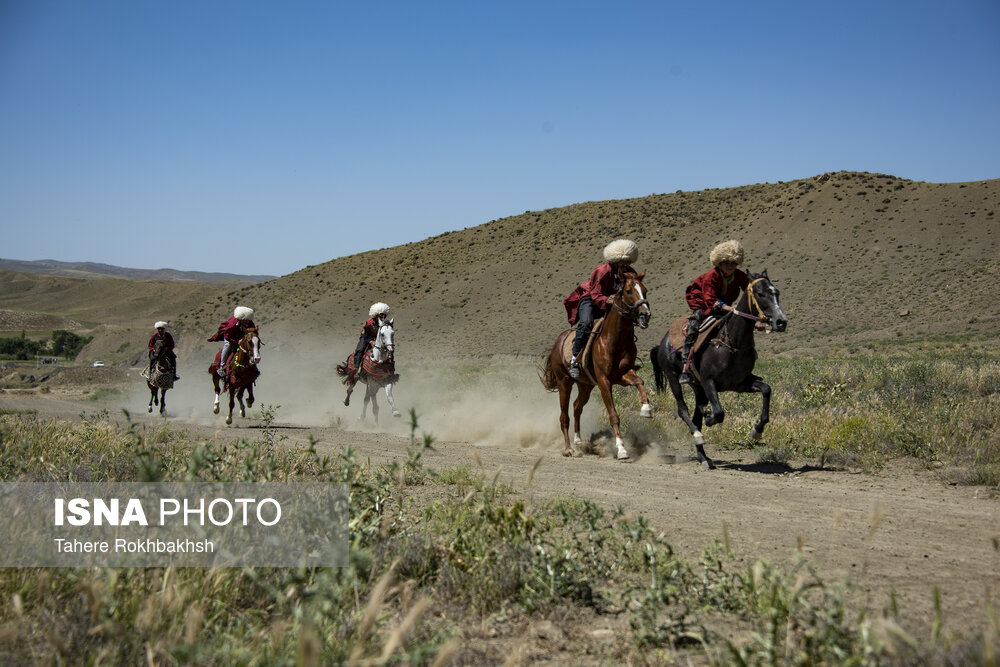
(168, 341)
(710, 288)
(600, 286)
(232, 330)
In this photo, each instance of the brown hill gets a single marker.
(859, 258)
(119, 313)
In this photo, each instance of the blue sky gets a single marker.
(262, 137)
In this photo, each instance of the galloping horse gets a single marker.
(161, 378)
(241, 373)
(378, 370)
(726, 364)
(611, 361)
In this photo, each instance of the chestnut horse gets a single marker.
(240, 374)
(611, 361)
(725, 364)
(161, 378)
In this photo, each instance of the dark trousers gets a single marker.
(584, 324)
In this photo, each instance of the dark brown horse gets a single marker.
(240, 375)
(611, 361)
(160, 378)
(725, 364)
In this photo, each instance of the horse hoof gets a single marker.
(622, 454)
(646, 411)
(397, 414)
(707, 465)
(229, 420)
(347, 401)
(215, 410)
(755, 434)
(569, 451)
(150, 409)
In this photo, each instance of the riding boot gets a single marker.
(689, 338)
(223, 357)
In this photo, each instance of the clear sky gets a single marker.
(261, 137)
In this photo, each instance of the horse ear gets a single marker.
(642, 275)
(763, 274)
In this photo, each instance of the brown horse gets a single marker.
(241, 373)
(611, 361)
(161, 378)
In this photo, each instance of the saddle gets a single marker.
(678, 330)
(584, 358)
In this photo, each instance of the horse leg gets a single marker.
(243, 408)
(392, 403)
(163, 401)
(693, 424)
(564, 390)
(215, 383)
(718, 414)
(250, 398)
(347, 399)
(582, 396)
(758, 385)
(609, 403)
(632, 378)
(371, 393)
(152, 397)
(232, 404)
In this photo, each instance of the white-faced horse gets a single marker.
(378, 370)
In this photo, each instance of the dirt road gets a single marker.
(901, 530)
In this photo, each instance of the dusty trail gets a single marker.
(902, 529)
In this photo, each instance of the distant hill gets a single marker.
(52, 267)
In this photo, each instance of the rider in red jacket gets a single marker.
(168, 343)
(590, 298)
(231, 331)
(713, 293)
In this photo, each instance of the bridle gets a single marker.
(628, 311)
(760, 315)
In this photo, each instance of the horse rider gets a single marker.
(168, 344)
(377, 316)
(591, 297)
(231, 331)
(712, 293)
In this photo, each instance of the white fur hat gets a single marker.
(621, 251)
(378, 309)
(243, 313)
(727, 251)
(160, 325)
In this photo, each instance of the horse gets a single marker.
(611, 361)
(725, 364)
(241, 373)
(378, 370)
(160, 379)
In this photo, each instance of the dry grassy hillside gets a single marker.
(851, 253)
(859, 258)
(119, 313)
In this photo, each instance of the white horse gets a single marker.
(379, 370)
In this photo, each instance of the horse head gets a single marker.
(385, 342)
(250, 345)
(632, 298)
(763, 298)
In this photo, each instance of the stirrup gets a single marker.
(574, 370)
(684, 378)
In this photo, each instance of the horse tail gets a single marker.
(547, 374)
(654, 358)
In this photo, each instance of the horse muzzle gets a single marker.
(644, 317)
(779, 324)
